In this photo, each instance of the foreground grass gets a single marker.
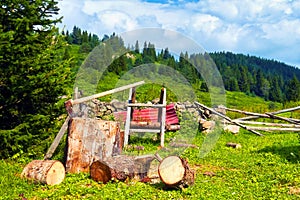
(264, 168)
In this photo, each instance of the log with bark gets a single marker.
(121, 167)
(175, 172)
(50, 172)
(90, 140)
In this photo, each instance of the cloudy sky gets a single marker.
(264, 28)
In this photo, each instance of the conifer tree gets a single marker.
(32, 75)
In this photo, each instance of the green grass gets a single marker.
(264, 168)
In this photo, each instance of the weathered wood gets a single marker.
(57, 139)
(286, 110)
(246, 112)
(121, 168)
(95, 96)
(228, 119)
(90, 140)
(267, 115)
(50, 172)
(148, 125)
(281, 118)
(256, 117)
(234, 145)
(175, 172)
(145, 105)
(268, 124)
(157, 126)
(273, 129)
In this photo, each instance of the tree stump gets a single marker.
(175, 172)
(90, 140)
(50, 172)
(120, 168)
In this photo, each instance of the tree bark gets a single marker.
(175, 172)
(121, 168)
(90, 140)
(50, 172)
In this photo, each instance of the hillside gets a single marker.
(269, 79)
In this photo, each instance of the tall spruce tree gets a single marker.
(32, 75)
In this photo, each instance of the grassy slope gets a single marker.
(264, 168)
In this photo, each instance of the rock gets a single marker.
(232, 129)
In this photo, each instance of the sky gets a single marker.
(264, 28)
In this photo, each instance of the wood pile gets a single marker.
(233, 125)
(282, 124)
(95, 146)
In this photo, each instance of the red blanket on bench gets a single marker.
(149, 115)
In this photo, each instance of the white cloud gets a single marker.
(248, 26)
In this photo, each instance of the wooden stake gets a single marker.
(57, 139)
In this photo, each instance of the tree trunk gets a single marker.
(120, 168)
(90, 140)
(50, 172)
(175, 172)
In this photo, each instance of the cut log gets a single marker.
(50, 172)
(121, 168)
(90, 140)
(175, 172)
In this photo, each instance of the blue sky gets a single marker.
(268, 29)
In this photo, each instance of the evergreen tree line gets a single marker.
(272, 80)
(87, 41)
(269, 79)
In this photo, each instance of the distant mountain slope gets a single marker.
(253, 63)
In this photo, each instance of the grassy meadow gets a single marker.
(264, 168)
